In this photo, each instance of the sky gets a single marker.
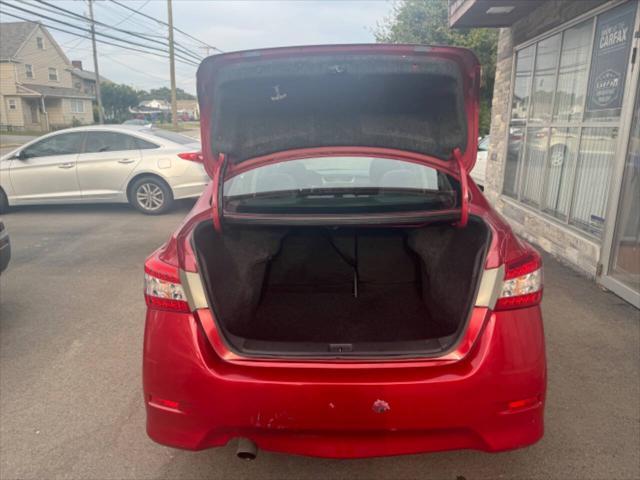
(226, 24)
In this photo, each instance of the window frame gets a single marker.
(40, 43)
(28, 71)
(141, 146)
(133, 138)
(590, 16)
(57, 79)
(51, 137)
(74, 102)
(12, 104)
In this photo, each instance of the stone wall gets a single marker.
(563, 242)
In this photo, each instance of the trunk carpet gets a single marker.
(380, 313)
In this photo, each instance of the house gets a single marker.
(155, 109)
(188, 109)
(155, 104)
(84, 80)
(36, 82)
(564, 155)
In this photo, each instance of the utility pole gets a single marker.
(95, 64)
(172, 67)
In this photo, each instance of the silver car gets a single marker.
(146, 167)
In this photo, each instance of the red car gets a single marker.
(342, 288)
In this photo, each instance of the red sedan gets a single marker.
(342, 288)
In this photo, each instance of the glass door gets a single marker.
(619, 268)
(623, 272)
(625, 256)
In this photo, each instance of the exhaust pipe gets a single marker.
(247, 450)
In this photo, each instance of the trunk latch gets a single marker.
(340, 347)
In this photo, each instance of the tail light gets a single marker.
(192, 156)
(162, 288)
(522, 285)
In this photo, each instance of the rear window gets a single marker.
(340, 185)
(172, 137)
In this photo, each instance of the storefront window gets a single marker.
(572, 76)
(609, 62)
(595, 162)
(544, 79)
(514, 149)
(519, 109)
(522, 83)
(563, 85)
(563, 152)
(533, 164)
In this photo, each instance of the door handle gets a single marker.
(126, 160)
(67, 165)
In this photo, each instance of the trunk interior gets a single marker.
(351, 291)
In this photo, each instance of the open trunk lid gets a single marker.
(421, 101)
(412, 98)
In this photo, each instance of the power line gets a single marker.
(133, 69)
(69, 13)
(166, 24)
(127, 47)
(132, 13)
(137, 23)
(127, 32)
(120, 39)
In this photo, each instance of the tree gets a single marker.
(164, 93)
(426, 21)
(116, 100)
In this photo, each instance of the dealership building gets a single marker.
(564, 154)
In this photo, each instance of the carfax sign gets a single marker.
(609, 61)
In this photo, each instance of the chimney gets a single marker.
(77, 64)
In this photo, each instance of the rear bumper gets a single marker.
(191, 183)
(346, 410)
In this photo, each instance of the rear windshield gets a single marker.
(340, 185)
(172, 137)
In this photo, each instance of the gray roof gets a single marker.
(48, 91)
(12, 36)
(87, 75)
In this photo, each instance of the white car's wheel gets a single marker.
(151, 195)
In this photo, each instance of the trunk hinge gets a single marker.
(216, 196)
(464, 188)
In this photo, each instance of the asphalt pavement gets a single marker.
(71, 406)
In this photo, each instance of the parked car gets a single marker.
(148, 168)
(137, 121)
(342, 288)
(5, 247)
(479, 170)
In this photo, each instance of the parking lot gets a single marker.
(71, 325)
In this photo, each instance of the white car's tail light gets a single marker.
(192, 156)
(162, 287)
(522, 285)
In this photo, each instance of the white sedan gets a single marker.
(149, 168)
(478, 173)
